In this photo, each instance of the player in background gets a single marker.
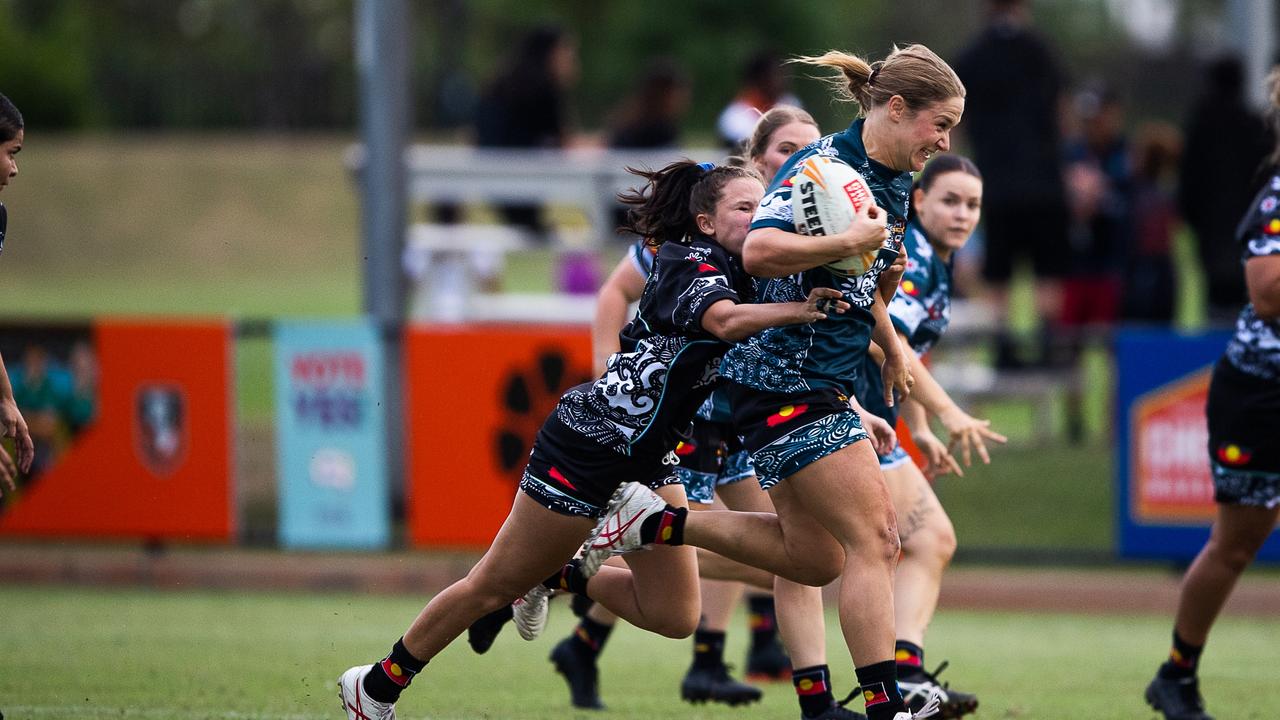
(1243, 412)
(620, 428)
(790, 390)
(946, 203)
(12, 424)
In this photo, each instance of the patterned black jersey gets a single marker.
(826, 353)
(668, 363)
(1255, 348)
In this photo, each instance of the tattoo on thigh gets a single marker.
(915, 518)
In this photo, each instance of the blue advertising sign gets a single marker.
(1164, 487)
(331, 447)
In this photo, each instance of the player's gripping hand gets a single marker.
(823, 301)
(865, 234)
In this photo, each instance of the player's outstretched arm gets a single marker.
(964, 431)
(732, 321)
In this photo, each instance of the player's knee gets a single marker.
(817, 569)
(676, 625)
(1236, 557)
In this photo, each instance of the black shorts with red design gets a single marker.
(573, 475)
(1243, 413)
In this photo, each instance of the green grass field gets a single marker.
(74, 653)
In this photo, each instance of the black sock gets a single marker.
(1183, 660)
(813, 689)
(910, 659)
(664, 528)
(879, 683)
(388, 678)
(708, 648)
(569, 579)
(763, 620)
(590, 636)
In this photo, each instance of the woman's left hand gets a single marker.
(969, 434)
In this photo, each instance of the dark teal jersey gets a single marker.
(826, 353)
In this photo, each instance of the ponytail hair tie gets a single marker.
(706, 166)
(871, 80)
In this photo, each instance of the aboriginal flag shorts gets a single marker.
(786, 432)
(572, 474)
(1244, 437)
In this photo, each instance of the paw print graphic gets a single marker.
(529, 394)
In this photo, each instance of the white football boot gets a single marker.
(931, 707)
(619, 529)
(358, 705)
(530, 612)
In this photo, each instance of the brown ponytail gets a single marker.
(1273, 113)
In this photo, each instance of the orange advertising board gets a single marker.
(155, 462)
(1170, 476)
(476, 396)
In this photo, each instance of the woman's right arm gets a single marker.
(732, 321)
(624, 286)
(774, 252)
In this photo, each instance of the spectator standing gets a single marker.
(526, 105)
(1219, 175)
(650, 116)
(763, 86)
(1099, 191)
(1015, 89)
(1149, 291)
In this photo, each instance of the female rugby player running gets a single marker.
(1244, 412)
(620, 428)
(790, 387)
(946, 203)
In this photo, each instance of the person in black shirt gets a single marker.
(1015, 90)
(1220, 172)
(622, 427)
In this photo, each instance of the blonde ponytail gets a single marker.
(914, 73)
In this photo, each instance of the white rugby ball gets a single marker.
(826, 193)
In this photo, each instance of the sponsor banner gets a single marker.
(331, 441)
(130, 420)
(1164, 486)
(476, 396)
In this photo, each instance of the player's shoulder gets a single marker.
(1262, 222)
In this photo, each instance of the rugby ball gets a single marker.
(826, 193)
